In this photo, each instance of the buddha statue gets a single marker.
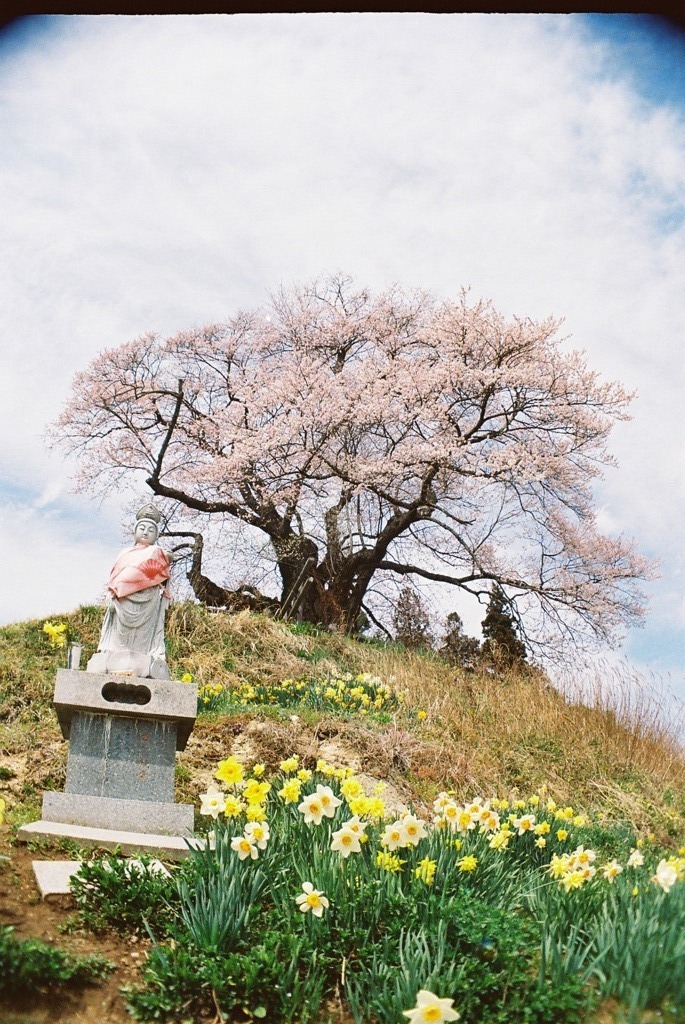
(132, 636)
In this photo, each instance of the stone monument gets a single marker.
(125, 719)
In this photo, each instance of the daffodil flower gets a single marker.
(230, 772)
(345, 841)
(244, 847)
(258, 833)
(212, 802)
(430, 1009)
(312, 899)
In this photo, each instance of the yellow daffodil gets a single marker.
(230, 772)
(351, 788)
(233, 806)
(389, 862)
(468, 863)
(290, 791)
(255, 792)
(500, 840)
(56, 633)
(426, 870)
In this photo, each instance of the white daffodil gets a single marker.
(415, 829)
(430, 1009)
(665, 876)
(213, 801)
(394, 836)
(244, 847)
(346, 841)
(311, 899)
(312, 809)
(328, 800)
(258, 833)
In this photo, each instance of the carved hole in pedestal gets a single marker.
(126, 693)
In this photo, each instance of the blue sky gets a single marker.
(160, 172)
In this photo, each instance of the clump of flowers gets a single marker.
(332, 800)
(363, 694)
(324, 824)
(57, 633)
(209, 695)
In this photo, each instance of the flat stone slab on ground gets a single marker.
(54, 876)
(170, 848)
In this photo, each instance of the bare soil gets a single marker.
(31, 916)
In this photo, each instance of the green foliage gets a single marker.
(115, 893)
(627, 939)
(217, 905)
(279, 978)
(31, 964)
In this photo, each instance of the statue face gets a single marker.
(145, 532)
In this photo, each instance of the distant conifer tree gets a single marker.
(501, 643)
(410, 620)
(457, 647)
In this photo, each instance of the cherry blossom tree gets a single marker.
(373, 437)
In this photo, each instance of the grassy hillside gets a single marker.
(333, 913)
(470, 732)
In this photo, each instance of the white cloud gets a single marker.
(48, 571)
(164, 171)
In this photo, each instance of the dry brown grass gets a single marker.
(610, 742)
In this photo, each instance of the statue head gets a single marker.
(146, 530)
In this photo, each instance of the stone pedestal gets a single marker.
(123, 734)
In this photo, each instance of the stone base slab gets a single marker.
(170, 848)
(139, 816)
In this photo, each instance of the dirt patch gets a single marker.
(22, 907)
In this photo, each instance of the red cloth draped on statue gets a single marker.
(137, 568)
